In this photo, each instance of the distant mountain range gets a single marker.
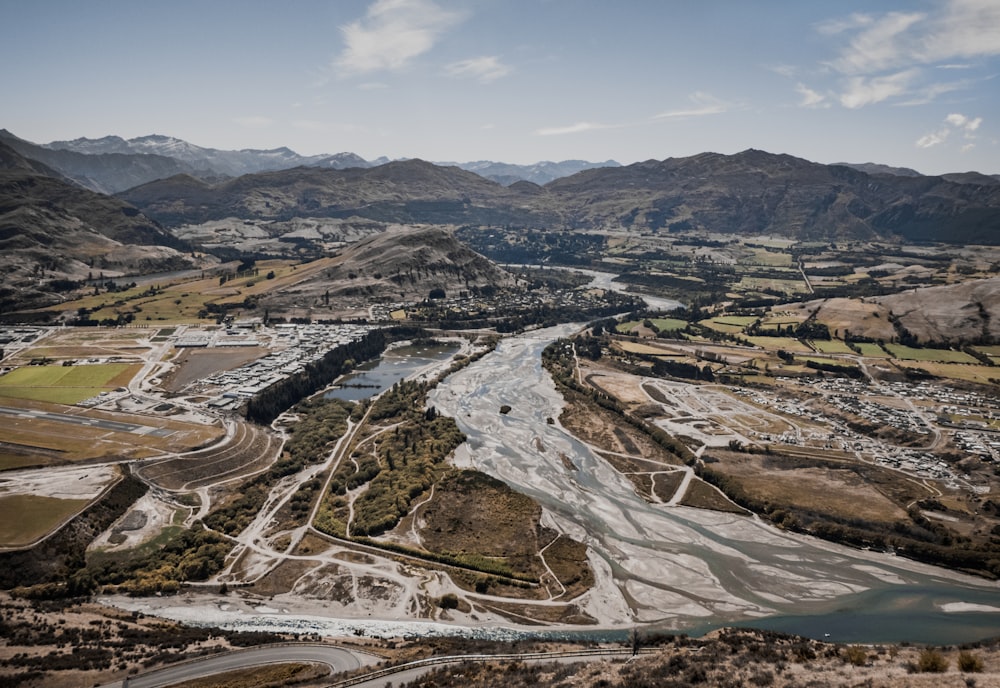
(53, 232)
(540, 173)
(53, 229)
(960, 177)
(749, 193)
(112, 164)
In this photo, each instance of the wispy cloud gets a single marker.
(704, 104)
(953, 123)
(831, 27)
(391, 34)
(785, 70)
(932, 139)
(966, 124)
(880, 44)
(484, 69)
(577, 128)
(888, 56)
(811, 98)
(860, 90)
(931, 92)
(962, 29)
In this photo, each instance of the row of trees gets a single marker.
(557, 358)
(398, 466)
(320, 423)
(918, 537)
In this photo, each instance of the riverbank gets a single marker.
(676, 568)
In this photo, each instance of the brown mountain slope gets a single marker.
(105, 173)
(752, 192)
(400, 264)
(52, 231)
(946, 314)
(405, 191)
(755, 192)
(956, 312)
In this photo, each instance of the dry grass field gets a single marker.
(602, 430)
(763, 256)
(780, 343)
(41, 441)
(637, 348)
(471, 514)
(701, 495)
(625, 388)
(730, 324)
(959, 371)
(840, 315)
(836, 492)
(787, 286)
(25, 518)
(81, 343)
(184, 300)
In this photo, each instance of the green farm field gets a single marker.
(26, 518)
(832, 346)
(909, 353)
(65, 384)
(871, 350)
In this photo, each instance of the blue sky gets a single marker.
(903, 83)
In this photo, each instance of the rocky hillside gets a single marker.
(400, 264)
(105, 172)
(755, 192)
(967, 312)
(53, 232)
(749, 193)
(410, 191)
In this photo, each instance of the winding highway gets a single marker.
(337, 658)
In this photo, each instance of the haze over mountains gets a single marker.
(749, 193)
(53, 231)
(112, 164)
(56, 227)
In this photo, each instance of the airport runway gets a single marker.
(100, 423)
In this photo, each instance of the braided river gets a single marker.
(685, 569)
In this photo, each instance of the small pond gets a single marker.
(374, 377)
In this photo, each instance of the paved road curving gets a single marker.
(337, 658)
